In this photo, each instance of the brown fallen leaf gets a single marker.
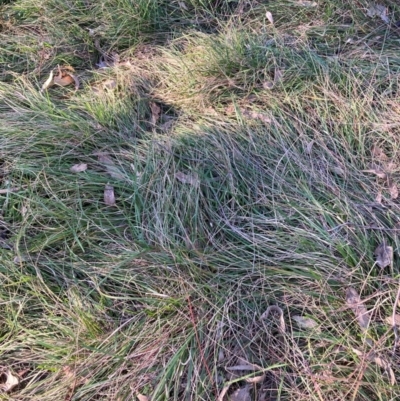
(63, 80)
(383, 255)
(305, 322)
(378, 153)
(393, 322)
(109, 196)
(78, 168)
(394, 191)
(354, 302)
(192, 179)
(10, 381)
(274, 308)
(381, 362)
(155, 112)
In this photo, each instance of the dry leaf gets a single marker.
(309, 4)
(305, 322)
(142, 397)
(380, 362)
(76, 80)
(155, 112)
(378, 10)
(109, 196)
(354, 302)
(394, 191)
(274, 308)
(241, 394)
(378, 198)
(396, 322)
(268, 85)
(78, 168)
(384, 255)
(65, 80)
(10, 381)
(48, 83)
(192, 179)
(338, 170)
(270, 18)
(378, 153)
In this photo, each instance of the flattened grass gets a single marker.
(273, 129)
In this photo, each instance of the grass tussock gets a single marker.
(252, 165)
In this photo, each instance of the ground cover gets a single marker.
(199, 200)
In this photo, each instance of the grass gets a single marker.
(242, 158)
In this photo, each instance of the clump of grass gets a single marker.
(238, 153)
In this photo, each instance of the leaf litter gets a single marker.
(9, 381)
(384, 255)
(78, 168)
(191, 179)
(109, 196)
(65, 77)
(353, 300)
(305, 322)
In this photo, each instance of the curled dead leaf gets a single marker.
(63, 80)
(274, 308)
(109, 196)
(49, 82)
(78, 168)
(8, 381)
(383, 255)
(353, 300)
